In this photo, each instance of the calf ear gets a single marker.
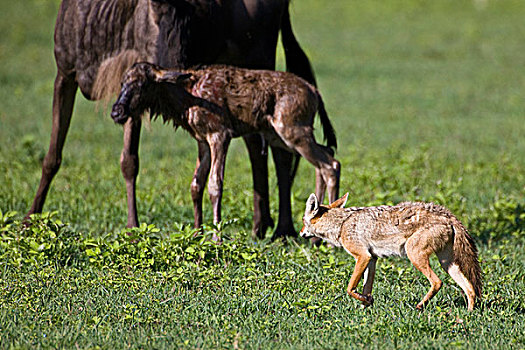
(339, 203)
(312, 206)
(170, 76)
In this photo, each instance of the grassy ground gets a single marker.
(427, 101)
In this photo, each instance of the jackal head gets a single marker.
(314, 211)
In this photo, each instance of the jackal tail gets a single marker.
(466, 258)
(296, 62)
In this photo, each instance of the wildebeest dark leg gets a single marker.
(261, 203)
(283, 165)
(129, 164)
(63, 101)
(200, 176)
(218, 148)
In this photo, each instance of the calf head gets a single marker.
(138, 90)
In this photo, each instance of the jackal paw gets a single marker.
(368, 300)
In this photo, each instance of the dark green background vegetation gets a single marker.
(427, 100)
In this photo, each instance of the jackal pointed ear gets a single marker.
(339, 203)
(312, 206)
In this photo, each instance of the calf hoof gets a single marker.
(26, 221)
(217, 239)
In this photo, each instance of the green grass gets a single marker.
(426, 98)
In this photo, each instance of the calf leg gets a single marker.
(218, 148)
(283, 166)
(261, 203)
(63, 101)
(320, 185)
(328, 168)
(200, 176)
(129, 164)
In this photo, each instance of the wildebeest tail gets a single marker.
(328, 129)
(296, 60)
(466, 257)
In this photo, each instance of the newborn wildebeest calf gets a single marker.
(216, 103)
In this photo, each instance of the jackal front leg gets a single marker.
(370, 273)
(360, 266)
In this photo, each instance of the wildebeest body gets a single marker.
(97, 40)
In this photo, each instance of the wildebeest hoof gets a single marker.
(280, 233)
(259, 231)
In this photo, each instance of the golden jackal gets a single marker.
(415, 230)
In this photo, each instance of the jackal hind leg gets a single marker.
(418, 253)
(446, 259)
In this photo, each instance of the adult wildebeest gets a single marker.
(97, 40)
(217, 103)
